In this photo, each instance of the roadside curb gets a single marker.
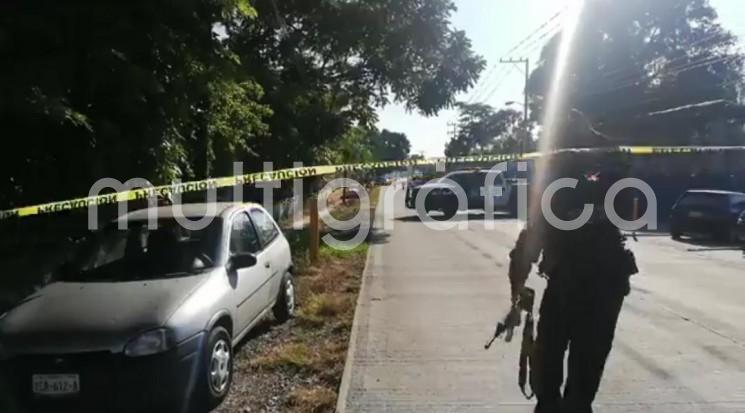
(341, 402)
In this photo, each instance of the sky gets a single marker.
(495, 27)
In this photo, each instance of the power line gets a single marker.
(541, 27)
(521, 44)
(619, 72)
(671, 71)
(721, 59)
(532, 46)
(479, 93)
(498, 84)
(705, 61)
(626, 108)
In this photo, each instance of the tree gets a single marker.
(326, 65)
(482, 130)
(633, 58)
(119, 89)
(354, 146)
(166, 90)
(391, 146)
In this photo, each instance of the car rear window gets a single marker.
(704, 200)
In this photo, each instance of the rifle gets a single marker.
(513, 318)
(525, 303)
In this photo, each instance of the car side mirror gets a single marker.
(242, 260)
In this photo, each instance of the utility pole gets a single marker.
(526, 134)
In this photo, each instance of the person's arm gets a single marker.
(526, 252)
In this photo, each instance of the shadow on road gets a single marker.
(378, 237)
(708, 244)
(457, 218)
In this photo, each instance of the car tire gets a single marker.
(727, 236)
(217, 375)
(284, 307)
(449, 212)
(675, 234)
(512, 207)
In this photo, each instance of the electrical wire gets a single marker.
(480, 92)
(616, 72)
(671, 71)
(541, 27)
(497, 85)
(526, 41)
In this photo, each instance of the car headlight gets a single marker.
(149, 343)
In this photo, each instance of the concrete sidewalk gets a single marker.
(427, 306)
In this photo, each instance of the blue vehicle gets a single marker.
(708, 212)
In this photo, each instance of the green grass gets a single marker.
(318, 309)
(328, 252)
(291, 355)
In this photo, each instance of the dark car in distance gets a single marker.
(412, 189)
(441, 193)
(708, 212)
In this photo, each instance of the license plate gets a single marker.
(56, 384)
(696, 214)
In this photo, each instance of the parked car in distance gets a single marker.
(441, 196)
(146, 319)
(708, 212)
(412, 189)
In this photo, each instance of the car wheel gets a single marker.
(726, 235)
(512, 207)
(284, 308)
(217, 374)
(675, 234)
(449, 212)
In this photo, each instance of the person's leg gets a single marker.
(591, 336)
(550, 347)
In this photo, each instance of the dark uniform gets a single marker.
(588, 272)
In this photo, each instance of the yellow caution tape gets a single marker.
(311, 171)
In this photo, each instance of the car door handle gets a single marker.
(267, 265)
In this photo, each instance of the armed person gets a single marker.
(588, 272)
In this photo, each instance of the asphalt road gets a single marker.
(431, 298)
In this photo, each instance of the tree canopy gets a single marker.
(634, 58)
(180, 89)
(391, 146)
(482, 129)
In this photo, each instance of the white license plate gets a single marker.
(56, 384)
(696, 214)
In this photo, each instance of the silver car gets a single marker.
(147, 318)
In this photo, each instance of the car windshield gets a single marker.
(140, 253)
(467, 180)
(704, 200)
